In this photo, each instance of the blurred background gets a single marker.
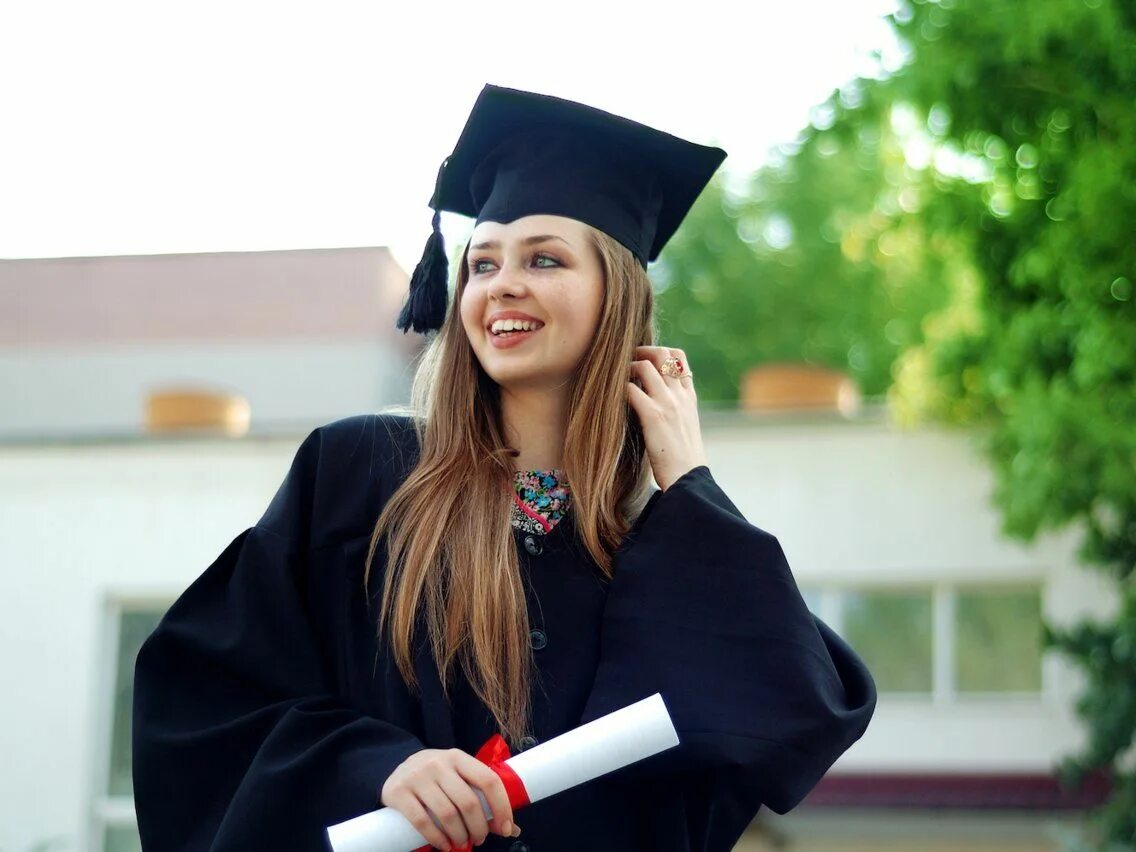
(908, 295)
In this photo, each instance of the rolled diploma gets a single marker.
(585, 753)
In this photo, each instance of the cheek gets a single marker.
(584, 322)
(594, 306)
(585, 303)
(472, 310)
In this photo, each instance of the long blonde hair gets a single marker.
(463, 577)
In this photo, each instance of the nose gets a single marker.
(507, 282)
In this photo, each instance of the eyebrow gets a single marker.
(528, 241)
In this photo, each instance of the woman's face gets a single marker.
(556, 280)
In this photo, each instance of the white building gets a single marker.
(301, 334)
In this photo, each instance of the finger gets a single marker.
(644, 407)
(658, 354)
(685, 379)
(493, 788)
(438, 802)
(658, 357)
(468, 805)
(481, 777)
(408, 805)
(638, 399)
(679, 356)
(654, 354)
(651, 378)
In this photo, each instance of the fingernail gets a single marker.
(516, 831)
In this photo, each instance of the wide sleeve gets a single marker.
(241, 738)
(703, 609)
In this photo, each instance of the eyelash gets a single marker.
(473, 263)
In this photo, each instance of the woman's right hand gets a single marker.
(442, 781)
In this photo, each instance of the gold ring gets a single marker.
(672, 366)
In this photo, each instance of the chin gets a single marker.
(511, 376)
(519, 376)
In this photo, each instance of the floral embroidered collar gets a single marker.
(540, 499)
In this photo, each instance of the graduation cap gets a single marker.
(522, 153)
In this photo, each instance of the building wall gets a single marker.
(856, 504)
(87, 526)
(101, 388)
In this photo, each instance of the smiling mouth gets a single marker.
(511, 339)
(514, 332)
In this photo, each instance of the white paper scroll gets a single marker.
(603, 745)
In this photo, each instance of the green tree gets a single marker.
(1038, 344)
(814, 260)
(961, 233)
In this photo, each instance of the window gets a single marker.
(998, 640)
(114, 826)
(942, 640)
(891, 631)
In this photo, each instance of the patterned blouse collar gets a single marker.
(540, 499)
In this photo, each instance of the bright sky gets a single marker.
(151, 127)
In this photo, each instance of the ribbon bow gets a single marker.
(493, 754)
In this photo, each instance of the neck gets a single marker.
(535, 421)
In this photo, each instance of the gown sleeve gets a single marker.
(240, 738)
(703, 609)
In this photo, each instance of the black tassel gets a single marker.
(425, 308)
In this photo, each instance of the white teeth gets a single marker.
(513, 325)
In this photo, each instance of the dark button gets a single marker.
(519, 846)
(527, 742)
(532, 545)
(538, 639)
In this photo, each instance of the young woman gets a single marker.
(496, 559)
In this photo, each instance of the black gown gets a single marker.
(264, 713)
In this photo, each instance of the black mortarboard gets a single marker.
(523, 153)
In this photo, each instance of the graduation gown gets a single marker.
(264, 712)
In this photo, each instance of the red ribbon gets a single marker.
(494, 754)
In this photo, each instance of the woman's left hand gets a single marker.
(668, 413)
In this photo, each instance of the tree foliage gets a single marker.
(813, 261)
(961, 234)
(1042, 100)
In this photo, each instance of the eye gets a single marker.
(475, 263)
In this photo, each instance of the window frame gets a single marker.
(106, 810)
(944, 646)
